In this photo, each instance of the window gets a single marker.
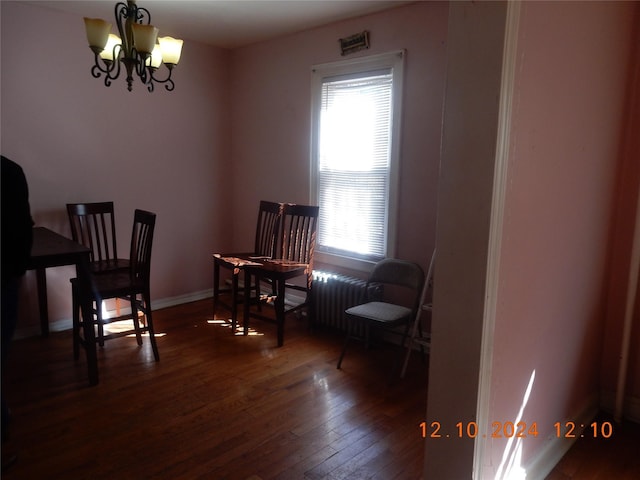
(354, 149)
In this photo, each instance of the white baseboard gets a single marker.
(67, 323)
(180, 299)
(543, 463)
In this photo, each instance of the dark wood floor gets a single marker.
(223, 407)
(215, 406)
(613, 458)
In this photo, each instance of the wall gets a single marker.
(271, 116)
(544, 301)
(628, 189)
(79, 141)
(562, 169)
(471, 113)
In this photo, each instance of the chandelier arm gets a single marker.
(141, 12)
(110, 68)
(169, 85)
(121, 12)
(141, 60)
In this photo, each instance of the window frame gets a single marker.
(361, 65)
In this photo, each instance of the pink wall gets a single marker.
(198, 149)
(540, 321)
(567, 124)
(271, 116)
(628, 189)
(79, 141)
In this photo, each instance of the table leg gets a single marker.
(86, 310)
(43, 304)
(279, 306)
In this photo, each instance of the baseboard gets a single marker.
(180, 299)
(543, 463)
(630, 407)
(67, 324)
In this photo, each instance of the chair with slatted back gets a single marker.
(393, 292)
(132, 284)
(93, 225)
(289, 271)
(265, 246)
(299, 227)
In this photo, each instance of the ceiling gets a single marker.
(230, 24)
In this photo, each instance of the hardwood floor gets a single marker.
(216, 406)
(614, 458)
(223, 407)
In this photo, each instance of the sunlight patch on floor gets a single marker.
(121, 327)
(226, 323)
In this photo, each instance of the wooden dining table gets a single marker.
(50, 249)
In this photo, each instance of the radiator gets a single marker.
(332, 294)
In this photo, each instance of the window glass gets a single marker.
(354, 162)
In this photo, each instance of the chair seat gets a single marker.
(116, 284)
(103, 266)
(381, 312)
(112, 285)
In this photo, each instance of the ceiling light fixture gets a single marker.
(136, 47)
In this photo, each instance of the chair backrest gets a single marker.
(299, 225)
(267, 229)
(141, 242)
(402, 273)
(93, 225)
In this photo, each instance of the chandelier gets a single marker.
(135, 48)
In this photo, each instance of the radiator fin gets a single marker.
(332, 295)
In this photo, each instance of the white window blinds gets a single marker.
(354, 150)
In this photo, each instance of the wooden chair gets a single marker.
(405, 280)
(265, 246)
(299, 227)
(294, 259)
(133, 284)
(93, 225)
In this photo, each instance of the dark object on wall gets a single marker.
(354, 43)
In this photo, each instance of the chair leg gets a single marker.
(403, 368)
(76, 321)
(344, 350)
(136, 322)
(99, 321)
(234, 300)
(150, 328)
(258, 302)
(216, 285)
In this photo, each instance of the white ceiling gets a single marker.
(230, 24)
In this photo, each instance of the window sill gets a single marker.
(341, 261)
